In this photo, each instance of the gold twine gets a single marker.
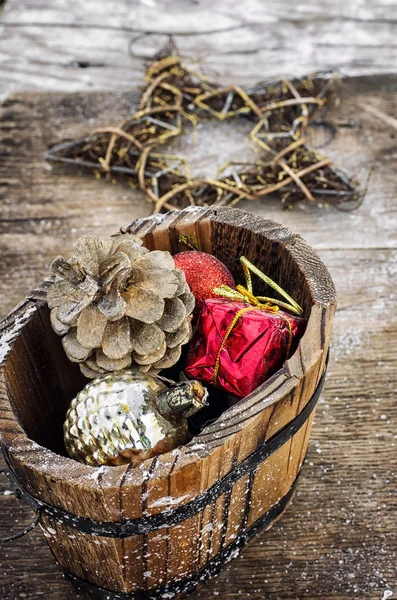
(263, 303)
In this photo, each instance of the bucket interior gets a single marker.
(42, 381)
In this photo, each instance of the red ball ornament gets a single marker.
(203, 273)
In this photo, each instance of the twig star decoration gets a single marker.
(175, 97)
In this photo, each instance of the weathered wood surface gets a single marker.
(103, 45)
(338, 538)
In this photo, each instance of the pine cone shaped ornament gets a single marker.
(116, 304)
(127, 417)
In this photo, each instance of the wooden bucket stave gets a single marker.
(37, 383)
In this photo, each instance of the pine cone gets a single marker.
(117, 304)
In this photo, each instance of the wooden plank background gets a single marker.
(338, 539)
(75, 46)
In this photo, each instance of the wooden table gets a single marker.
(338, 539)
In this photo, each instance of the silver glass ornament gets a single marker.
(129, 416)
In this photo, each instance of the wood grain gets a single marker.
(89, 46)
(338, 538)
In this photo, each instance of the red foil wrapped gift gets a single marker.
(255, 347)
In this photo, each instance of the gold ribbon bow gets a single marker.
(246, 295)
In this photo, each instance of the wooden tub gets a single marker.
(161, 528)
